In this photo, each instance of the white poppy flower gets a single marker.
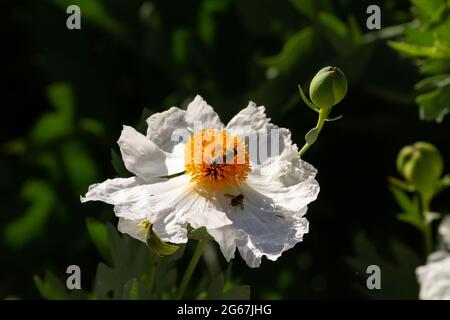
(434, 277)
(255, 203)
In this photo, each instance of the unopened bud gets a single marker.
(328, 87)
(421, 164)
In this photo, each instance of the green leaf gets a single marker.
(206, 19)
(414, 221)
(306, 7)
(429, 10)
(25, 228)
(80, 167)
(130, 259)
(411, 207)
(334, 118)
(311, 135)
(136, 290)
(180, 42)
(99, 236)
(435, 66)
(337, 32)
(51, 288)
(419, 36)
(309, 8)
(166, 274)
(416, 50)
(434, 105)
(355, 31)
(306, 100)
(216, 290)
(200, 234)
(296, 50)
(433, 82)
(237, 293)
(158, 246)
(403, 200)
(443, 184)
(400, 269)
(58, 124)
(92, 126)
(403, 185)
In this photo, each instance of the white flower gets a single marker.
(256, 205)
(434, 277)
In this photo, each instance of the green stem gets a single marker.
(152, 271)
(190, 269)
(428, 237)
(323, 114)
(427, 231)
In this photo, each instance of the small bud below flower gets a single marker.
(421, 164)
(328, 87)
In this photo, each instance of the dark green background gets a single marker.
(130, 55)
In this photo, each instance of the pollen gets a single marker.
(215, 159)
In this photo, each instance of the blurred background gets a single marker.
(67, 94)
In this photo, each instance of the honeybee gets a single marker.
(236, 201)
(222, 159)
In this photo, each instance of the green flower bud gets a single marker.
(328, 87)
(421, 164)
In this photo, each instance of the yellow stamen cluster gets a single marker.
(215, 159)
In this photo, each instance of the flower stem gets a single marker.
(323, 114)
(427, 231)
(151, 271)
(190, 269)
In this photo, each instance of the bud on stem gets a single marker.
(421, 165)
(328, 88)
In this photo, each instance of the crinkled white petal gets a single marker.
(434, 277)
(106, 190)
(170, 226)
(132, 228)
(128, 195)
(226, 238)
(206, 212)
(286, 182)
(250, 118)
(187, 205)
(444, 230)
(265, 139)
(258, 231)
(175, 159)
(167, 129)
(142, 156)
(260, 228)
(199, 111)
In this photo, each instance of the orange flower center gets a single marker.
(215, 159)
